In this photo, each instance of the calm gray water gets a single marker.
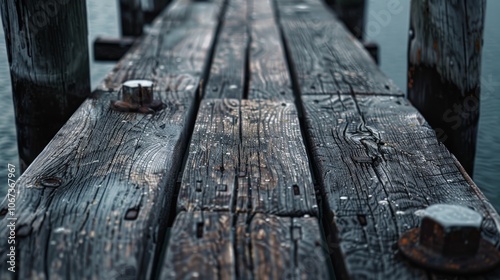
(391, 34)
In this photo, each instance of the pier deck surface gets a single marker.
(282, 152)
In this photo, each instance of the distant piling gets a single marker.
(155, 8)
(444, 68)
(132, 20)
(352, 14)
(49, 65)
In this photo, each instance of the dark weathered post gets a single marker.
(132, 20)
(155, 8)
(49, 66)
(352, 14)
(444, 66)
(159, 5)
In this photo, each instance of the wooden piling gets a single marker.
(352, 14)
(444, 67)
(132, 20)
(49, 66)
(155, 7)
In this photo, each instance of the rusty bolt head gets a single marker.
(137, 96)
(138, 92)
(449, 240)
(451, 230)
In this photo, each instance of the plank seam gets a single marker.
(327, 227)
(189, 129)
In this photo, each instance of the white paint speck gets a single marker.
(383, 202)
(419, 213)
(62, 230)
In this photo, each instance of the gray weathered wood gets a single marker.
(249, 61)
(444, 69)
(249, 154)
(49, 67)
(201, 245)
(380, 163)
(219, 245)
(229, 66)
(110, 165)
(282, 248)
(326, 58)
(95, 204)
(131, 17)
(269, 77)
(166, 56)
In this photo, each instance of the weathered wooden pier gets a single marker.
(281, 152)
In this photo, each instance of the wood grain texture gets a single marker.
(281, 248)
(325, 57)
(249, 154)
(166, 55)
(444, 70)
(221, 245)
(95, 203)
(201, 246)
(269, 77)
(115, 173)
(229, 66)
(380, 164)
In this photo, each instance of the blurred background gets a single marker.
(391, 33)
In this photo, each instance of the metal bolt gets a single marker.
(139, 92)
(137, 96)
(449, 240)
(451, 230)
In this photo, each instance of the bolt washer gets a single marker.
(486, 258)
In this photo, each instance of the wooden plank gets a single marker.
(166, 56)
(219, 245)
(247, 155)
(201, 245)
(96, 202)
(325, 57)
(228, 73)
(282, 248)
(380, 164)
(269, 75)
(113, 175)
